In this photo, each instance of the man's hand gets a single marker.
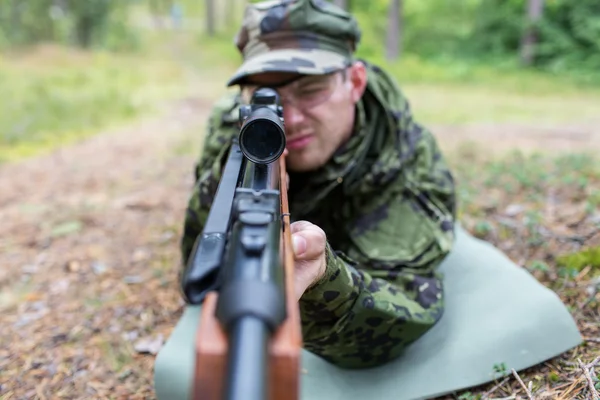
(309, 255)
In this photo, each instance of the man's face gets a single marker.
(318, 112)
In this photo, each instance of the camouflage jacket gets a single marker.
(387, 204)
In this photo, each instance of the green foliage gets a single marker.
(432, 29)
(568, 33)
(538, 265)
(500, 369)
(89, 23)
(579, 260)
(23, 22)
(469, 396)
(102, 23)
(483, 228)
(476, 32)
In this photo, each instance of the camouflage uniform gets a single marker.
(386, 200)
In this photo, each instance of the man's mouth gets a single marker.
(298, 142)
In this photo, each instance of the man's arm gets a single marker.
(386, 292)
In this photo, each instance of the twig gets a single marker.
(492, 390)
(579, 239)
(595, 362)
(522, 384)
(568, 363)
(588, 377)
(567, 393)
(593, 291)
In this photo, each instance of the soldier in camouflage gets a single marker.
(371, 197)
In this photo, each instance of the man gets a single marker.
(371, 197)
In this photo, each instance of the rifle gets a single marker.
(241, 268)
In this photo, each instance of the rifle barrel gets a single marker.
(251, 305)
(248, 360)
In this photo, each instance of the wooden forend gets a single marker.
(284, 349)
(211, 353)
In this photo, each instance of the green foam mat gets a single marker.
(496, 314)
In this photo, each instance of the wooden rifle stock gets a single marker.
(284, 348)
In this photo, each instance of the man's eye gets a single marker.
(311, 90)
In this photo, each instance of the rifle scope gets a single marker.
(262, 135)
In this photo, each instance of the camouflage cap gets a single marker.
(302, 36)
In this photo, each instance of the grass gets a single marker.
(451, 103)
(54, 95)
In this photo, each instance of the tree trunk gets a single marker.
(210, 17)
(15, 19)
(84, 29)
(394, 32)
(230, 12)
(529, 39)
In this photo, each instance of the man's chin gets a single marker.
(301, 163)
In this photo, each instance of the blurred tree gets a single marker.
(210, 17)
(82, 23)
(529, 39)
(24, 22)
(394, 32)
(90, 17)
(554, 34)
(230, 11)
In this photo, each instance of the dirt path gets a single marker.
(88, 244)
(89, 249)
(501, 138)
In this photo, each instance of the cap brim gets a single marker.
(301, 61)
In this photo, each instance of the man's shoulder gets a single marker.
(221, 127)
(224, 110)
(223, 120)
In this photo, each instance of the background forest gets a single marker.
(529, 43)
(553, 35)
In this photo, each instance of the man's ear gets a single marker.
(357, 75)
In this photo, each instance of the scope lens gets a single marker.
(262, 141)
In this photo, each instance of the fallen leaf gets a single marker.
(73, 266)
(571, 214)
(35, 296)
(140, 255)
(133, 279)
(149, 345)
(66, 228)
(99, 268)
(513, 210)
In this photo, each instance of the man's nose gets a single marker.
(292, 115)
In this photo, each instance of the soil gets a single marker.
(89, 252)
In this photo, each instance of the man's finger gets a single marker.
(299, 244)
(298, 226)
(308, 244)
